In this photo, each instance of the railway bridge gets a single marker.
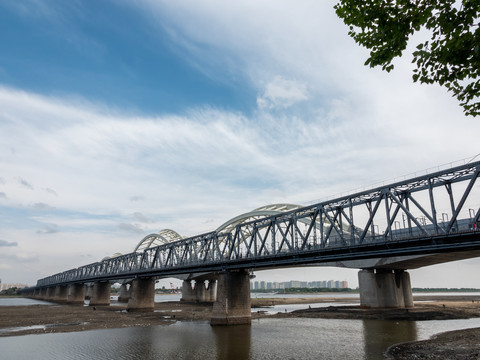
(383, 232)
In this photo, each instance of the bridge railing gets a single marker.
(437, 204)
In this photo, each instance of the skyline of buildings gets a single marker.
(275, 285)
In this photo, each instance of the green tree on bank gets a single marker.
(451, 57)
(10, 291)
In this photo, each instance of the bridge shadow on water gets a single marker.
(380, 334)
(233, 342)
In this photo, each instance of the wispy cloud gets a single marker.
(142, 218)
(25, 183)
(20, 257)
(48, 229)
(8, 243)
(51, 191)
(42, 206)
(131, 228)
(136, 198)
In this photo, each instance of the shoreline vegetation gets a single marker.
(40, 319)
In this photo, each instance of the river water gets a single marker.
(292, 338)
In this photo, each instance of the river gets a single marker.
(291, 338)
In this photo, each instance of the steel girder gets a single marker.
(400, 218)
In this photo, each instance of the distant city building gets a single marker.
(295, 284)
(5, 286)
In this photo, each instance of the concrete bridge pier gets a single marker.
(212, 291)
(61, 293)
(142, 295)
(233, 304)
(124, 293)
(385, 288)
(76, 294)
(88, 291)
(43, 294)
(187, 291)
(200, 291)
(50, 296)
(100, 294)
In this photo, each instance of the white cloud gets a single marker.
(282, 93)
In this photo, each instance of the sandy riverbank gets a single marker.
(461, 344)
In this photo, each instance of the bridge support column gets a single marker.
(61, 293)
(233, 304)
(212, 290)
(50, 294)
(385, 289)
(123, 294)
(187, 292)
(142, 295)
(100, 294)
(200, 291)
(76, 294)
(88, 291)
(43, 294)
(407, 288)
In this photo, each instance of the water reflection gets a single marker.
(233, 342)
(380, 334)
(292, 338)
(22, 302)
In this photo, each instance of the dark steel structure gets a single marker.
(429, 214)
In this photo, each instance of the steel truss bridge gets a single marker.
(437, 213)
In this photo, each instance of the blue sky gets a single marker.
(122, 118)
(110, 51)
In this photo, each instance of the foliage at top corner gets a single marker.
(451, 57)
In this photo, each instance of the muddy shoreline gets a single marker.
(464, 344)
